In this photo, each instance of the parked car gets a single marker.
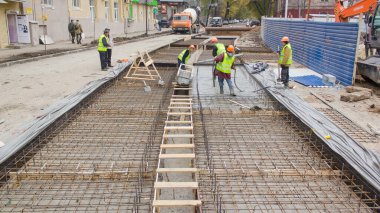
(254, 22)
(225, 22)
(164, 23)
(216, 22)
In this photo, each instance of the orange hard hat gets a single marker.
(191, 47)
(285, 39)
(214, 40)
(230, 48)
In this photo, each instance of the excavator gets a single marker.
(370, 67)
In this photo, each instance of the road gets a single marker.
(27, 89)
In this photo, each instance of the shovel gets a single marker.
(147, 88)
(213, 74)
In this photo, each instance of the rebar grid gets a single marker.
(100, 158)
(264, 162)
(353, 130)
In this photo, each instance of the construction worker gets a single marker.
(218, 48)
(184, 56)
(285, 60)
(225, 62)
(103, 44)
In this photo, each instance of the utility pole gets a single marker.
(146, 17)
(45, 28)
(286, 8)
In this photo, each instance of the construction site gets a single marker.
(157, 133)
(130, 144)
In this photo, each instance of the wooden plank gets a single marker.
(176, 170)
(178, 128)
(174, 203)
(178, 122)
(181, 103)
(180, 113)
(144, 79)
(165, 185)
(179, 136)
(177, 146)
(180, 96)
(178, 107)
(180, 99)
(171, 156)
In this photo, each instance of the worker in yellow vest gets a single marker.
(285, 60)
(103, 44)
(225, 62)
(218, 48)
(184, 56)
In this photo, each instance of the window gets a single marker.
(116, 11)
(47, 2)
(92, 10)
(106, 7)
(181, 18)
(76, 3)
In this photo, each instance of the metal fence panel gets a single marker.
(325, 47)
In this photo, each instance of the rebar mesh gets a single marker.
(100, 159)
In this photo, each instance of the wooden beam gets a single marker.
(176, 170)
(177, 146)
(172, 156)
(174, 203)
(165, 185)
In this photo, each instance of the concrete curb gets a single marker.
(21, 61)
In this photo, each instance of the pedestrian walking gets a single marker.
(184, 56)
(285, 60)
(78, 32)
(225, 62)
(109, 49)
(71, 29)
(103, 44)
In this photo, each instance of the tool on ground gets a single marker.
(147, 87)
(254, 108)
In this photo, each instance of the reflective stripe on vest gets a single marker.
(101, 47)
(220, 48)
(226, 64)
(180, 56)
(290, 59)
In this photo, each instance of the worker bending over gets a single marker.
(184, 56)
(218, 48)
(285, 60)
(225, 62)
(103, 44)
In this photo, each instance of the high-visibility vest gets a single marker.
(180, 56)
(101, 47)
(226, 64)
(220, 48)
(290, 59)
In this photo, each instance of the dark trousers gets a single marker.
(285, 75)
(179, 62)
(109, 54)
(79, 38)
(72, 37)
(103, 59)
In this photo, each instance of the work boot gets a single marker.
(232, 93)
(221, 91)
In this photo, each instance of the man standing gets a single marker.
(103, 44)
(285, 60)
(184, 56)
(71, 28)
(218, 48)
(109, 49)
(78, 32)
(225, 62)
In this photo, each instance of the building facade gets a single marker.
(8, 22)
(298, 8)
(25, 21)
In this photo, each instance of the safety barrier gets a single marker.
(325, 47)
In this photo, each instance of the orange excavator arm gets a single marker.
(342, 14)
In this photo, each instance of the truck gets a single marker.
(186, 21)
(368, 68)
